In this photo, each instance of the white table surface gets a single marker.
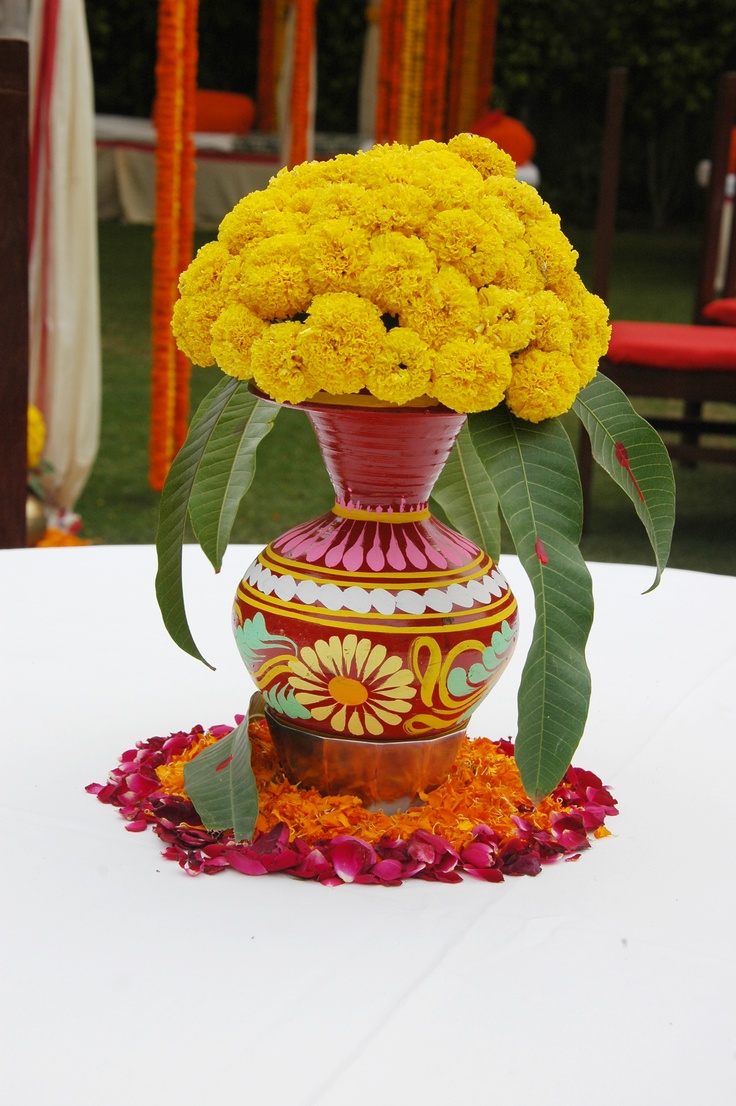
(608, 981)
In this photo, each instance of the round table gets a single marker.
(611, 979)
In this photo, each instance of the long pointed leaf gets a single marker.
(226, 470)
(633, 454)
(173, 515)
(534, 471)
(222, 787)
(468, 498)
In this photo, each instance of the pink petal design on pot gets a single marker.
(375, 557)
(395, 557)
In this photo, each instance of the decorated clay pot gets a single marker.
(375, 630)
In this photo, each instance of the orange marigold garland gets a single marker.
(301, 80)
(176, 69)
(436, 60)
(392, 17)
(478, 822)
(412, 72)
(486, 58)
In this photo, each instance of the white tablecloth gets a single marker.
(611, 980)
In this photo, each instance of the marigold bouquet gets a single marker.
(404, 271)
(407, 272)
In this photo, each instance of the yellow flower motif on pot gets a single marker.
(353, 685)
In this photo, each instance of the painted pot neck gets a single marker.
(384, 459)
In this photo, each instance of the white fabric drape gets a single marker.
(64, 286)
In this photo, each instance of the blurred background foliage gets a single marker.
(552, 59)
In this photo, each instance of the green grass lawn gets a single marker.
(653, 277)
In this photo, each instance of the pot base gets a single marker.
(385, 775)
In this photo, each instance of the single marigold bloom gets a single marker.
(278, 367)
(474, 369)
(542, 385)
(233, 334)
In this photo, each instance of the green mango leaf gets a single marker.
(226, 470)
(633, 454)
(534, 472)
(173, 510)
(467, 497)
(221, 784)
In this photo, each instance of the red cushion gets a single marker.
(673, 345)
(721, 311)
(223, 112)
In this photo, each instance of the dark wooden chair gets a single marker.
(692, 363)
(13, 290)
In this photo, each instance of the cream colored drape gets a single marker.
(64, 288)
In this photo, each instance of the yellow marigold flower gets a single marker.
(344, 198)
(507, 317)
(440, 236)
(35, 437)
(470, 374)
(202, 275)
(453, 235)
(448, 310)
(483, 155)
(592, 333)
(270, 279)
(520, 199)
(552, 328)
(399, 269)
(233, 334)
(543, 384)
(552, 252)
(243, 225)
(399, 206)
(340, 340)
(278, 367)
(405, 370)
(335, 254)
(190, 324)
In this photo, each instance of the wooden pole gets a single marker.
(13, 290)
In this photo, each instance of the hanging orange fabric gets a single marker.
(176, 69)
